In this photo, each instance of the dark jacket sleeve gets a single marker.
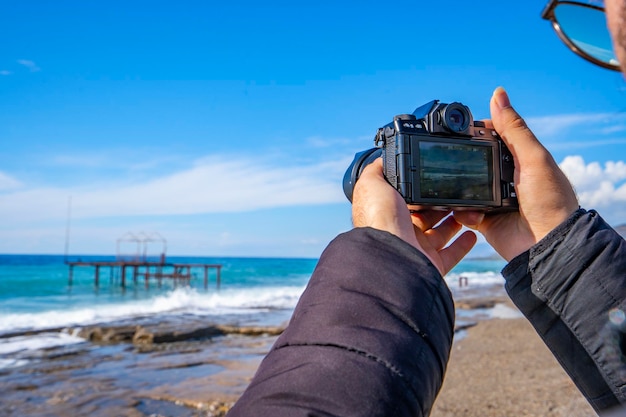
(572, 288)
(370, 336)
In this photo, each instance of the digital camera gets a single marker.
(440, 158)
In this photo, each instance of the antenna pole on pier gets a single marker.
(67, 227)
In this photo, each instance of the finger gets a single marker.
(471, 219)
(441, 235)
(451, 255)
(488, 123)
(512, 128)
(369, 181)
(427, 219)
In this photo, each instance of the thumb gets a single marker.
(511, 127)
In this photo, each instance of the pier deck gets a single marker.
(159, 270)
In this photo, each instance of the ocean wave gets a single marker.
(41, 341)
(178, 301)
(474, 279)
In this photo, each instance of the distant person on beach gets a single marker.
(372, 333)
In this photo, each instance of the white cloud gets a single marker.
(613, 129)
(546, 126)
(8, 183)
(29, 64)
(5, 72)
(571, 145)
(599, 186)
(211, 185)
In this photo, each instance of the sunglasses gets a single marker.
(582, 27)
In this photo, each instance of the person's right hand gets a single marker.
(545, 195)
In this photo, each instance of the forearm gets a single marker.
(566, 285)
(370, 336)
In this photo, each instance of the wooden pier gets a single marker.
(147, 270)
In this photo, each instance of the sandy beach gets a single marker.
(502, 368)
(499, 367)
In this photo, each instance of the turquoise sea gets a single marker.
(35, 295)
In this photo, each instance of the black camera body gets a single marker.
(440, 158)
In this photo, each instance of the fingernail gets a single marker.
(501, 98)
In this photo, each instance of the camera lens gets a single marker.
(361, 160)
(456, 118)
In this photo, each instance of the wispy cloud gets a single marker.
(113, 159)
(8, 183)
(585, 144)
(211, 185)
(29, 64)
(559, 124)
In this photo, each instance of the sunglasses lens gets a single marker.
(586, 28)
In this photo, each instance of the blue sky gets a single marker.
(227, 128)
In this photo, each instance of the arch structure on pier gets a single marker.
(142, 242)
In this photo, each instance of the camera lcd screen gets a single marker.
(455, 171)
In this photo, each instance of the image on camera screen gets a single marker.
(456, 171)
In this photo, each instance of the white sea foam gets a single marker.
(12, 363)
(502, 311)
(18, 351)
(40, 341)
(178, 301)
(474, 279)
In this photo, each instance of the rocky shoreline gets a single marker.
(185, 367)
(163, 368)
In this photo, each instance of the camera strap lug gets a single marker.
(382, 135)
(379, 139)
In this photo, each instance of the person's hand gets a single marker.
(545, 195)
(376, 204)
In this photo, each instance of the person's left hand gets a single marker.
(378, 205)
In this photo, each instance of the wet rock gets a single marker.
(170, 335)
(27, 387)
(464, 326)
(141, 335)
(475, 303)
(182, 407)
(252, 330)
(109, 334)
